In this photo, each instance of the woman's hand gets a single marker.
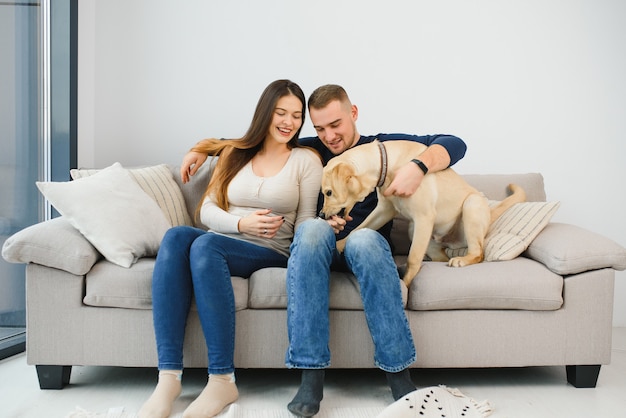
(260, 224)
(191, 163)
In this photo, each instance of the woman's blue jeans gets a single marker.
(368, 256)
(192, 262)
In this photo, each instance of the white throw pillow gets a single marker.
(514, 230)
(157, 181)
(112, 212)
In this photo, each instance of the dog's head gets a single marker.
(342, 188)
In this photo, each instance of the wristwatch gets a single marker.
(420, 164)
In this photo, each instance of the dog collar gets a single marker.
(383, 164)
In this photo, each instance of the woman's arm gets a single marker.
(310, 183)
(217, 219)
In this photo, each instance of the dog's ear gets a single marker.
(346, 174)
(344, 171)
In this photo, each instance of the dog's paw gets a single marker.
(464, 261)
(457, 262)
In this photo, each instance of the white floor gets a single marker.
(539, 392)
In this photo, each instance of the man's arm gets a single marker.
(191, 163)
(442, 151)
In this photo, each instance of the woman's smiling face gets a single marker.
(287, 119)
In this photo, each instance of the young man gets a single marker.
(367, 255)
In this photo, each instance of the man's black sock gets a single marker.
(400, 383)
(306, 403)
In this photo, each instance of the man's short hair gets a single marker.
(323, 95)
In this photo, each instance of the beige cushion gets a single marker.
(158, 183)
(54, 243)
(516, 284)
(568, 249)
(268, 290)
(109, 285)
(112, 212)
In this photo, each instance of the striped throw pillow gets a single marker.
(515, 229)
(158, 183)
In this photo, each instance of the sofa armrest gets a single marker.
(54, 243)
(568, 249)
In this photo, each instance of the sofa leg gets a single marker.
(585, 376)
(53, 377)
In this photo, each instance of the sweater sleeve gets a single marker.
(455, 146)
(217, 219)
(310, 183)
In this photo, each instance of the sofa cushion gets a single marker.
(54, 243)
(268, 290)
(569, 249)
(112, 212)
(516, 284)
(158, 183)
(109, 285)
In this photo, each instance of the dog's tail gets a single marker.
(518, 195)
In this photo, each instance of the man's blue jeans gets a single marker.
(368, 256)
(192, 262)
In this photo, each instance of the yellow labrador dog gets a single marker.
(445, 211)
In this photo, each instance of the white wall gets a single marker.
(533, 86)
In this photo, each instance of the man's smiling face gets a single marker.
(335, 125)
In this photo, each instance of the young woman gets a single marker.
(263, 187)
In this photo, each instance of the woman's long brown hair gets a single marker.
(236, 153)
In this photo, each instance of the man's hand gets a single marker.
(190, 165)
(409, 177)
(406, 181)
(337, 223)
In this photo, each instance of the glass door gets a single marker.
(19, 155)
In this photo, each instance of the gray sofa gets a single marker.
(551, 306)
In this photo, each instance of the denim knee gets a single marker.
(179, 236)
(368, 252)
(362, 241)
(313, 231)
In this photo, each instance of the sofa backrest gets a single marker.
(494, 186)
(194, 189)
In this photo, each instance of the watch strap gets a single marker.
(420, 164)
